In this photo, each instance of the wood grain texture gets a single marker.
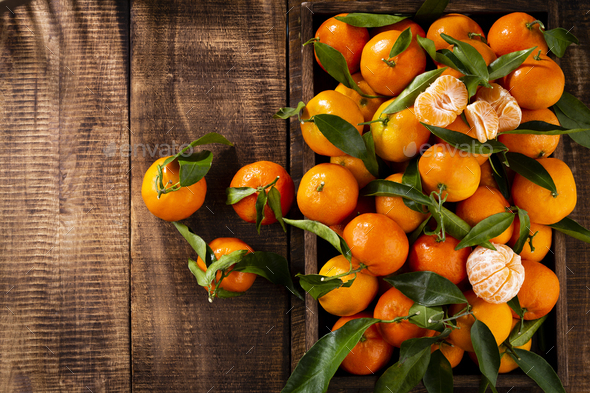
(64, 272)
(199, 67)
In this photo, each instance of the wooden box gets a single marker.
(312, 79)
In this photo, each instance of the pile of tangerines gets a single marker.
(447, 190)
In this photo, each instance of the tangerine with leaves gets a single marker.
(370, 354)
(235, 281)
(514, 32)
(333, 103)
(367, 106)
(395, 208)
(440, 257)
(485, 202)
(539, 292)
(386, 75)
(393, 304)
(458, 26)
(175, 205)
(541, 239)
(531, 145)
(378, 242)
(346, 39)
(259, 175)
(327, 193)
(543, 207)
(450, 172)
(497, 317)
(442, 101)
(484, 50)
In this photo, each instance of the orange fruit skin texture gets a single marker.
(356, 166)
(385, 79)
(460, 126)
(367, 106)
(333, 103)
(453, 353)
(401, 138)
(510, 33)
(539, 292)
(259, 174)
(354, 299)
(394, 208)
(542, 207)
(394, 304)
(401, 26)
(455, 25)
(496, 276)
(176, 205)
(336, 200)
(534, 146)
(346, 39)
(426, 254)
(378, 242)
(497, 317)
(485, 202)
(487, 178)
(364, 204)
(536, 84)
(541, 241)
(236, 281)
(485, 51)
(459, 173)
(370, 354)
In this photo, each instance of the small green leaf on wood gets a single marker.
(427, 288)
(236, 194)
(573, 229)
(487, 229)
(197, 272)
(429, 11)
(439, 374)
(225, 294)
(260, 204)
(285, 113)
(206, 139)
(404, 376)
(194, 167)
(324, 232)
(370, 20)
(559, 39)
(317, 286)
(197, 243)
(274, 201)
(538, 370)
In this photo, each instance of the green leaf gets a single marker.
(370, 20)
(428, 45)
(520, 337)
(225, 294)
(457, 64)
(469, 56)
(371, 156)
(324, 232)
(391, 188)
(572, 113)
(411, 177)
(531, 169)
(408, 96)
(486, 350)
(317, 367)
(454, 225)
(236, 194)
(403, 377)
(313, 284)
(439, 374)
(525, 226)
(427, 288)
(500, 176)
(417, 232)
(402, 43)
(542, 128)
(428, 317)
(538, 370)
(260, 204)
(274, 201)
(269, 265)
(515, 306)
(223, 263)
(346, 137)
(197, 272)
(472, 82)
(465, 142)
(559, 39)
(414, 346)
(573, 229)
(194, 167)
(430, 11)
(197, 243)
(206, 139)
(507, 63)
(285, 113)
(484, 383)
(487, 229)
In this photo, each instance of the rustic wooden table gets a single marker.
(95, 294)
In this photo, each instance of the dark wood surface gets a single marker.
(95, 294)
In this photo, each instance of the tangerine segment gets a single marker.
(544, 208)
(505, 106)
(441, 103)
(496, 276)
(347, 301)
(453, 170)
(483, 118)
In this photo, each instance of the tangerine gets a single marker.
(367, 106)
(539, 292)
(458, 26)
(531, 145)
(428, 254)
(514, 32)
(541, 241)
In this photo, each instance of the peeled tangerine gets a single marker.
(483, 119)
(441, 103)
(496, 276)
(505, 106)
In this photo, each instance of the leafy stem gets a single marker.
(384, 121)
(350, 271)
(437, 202)
(164, 189)
(478, 35)
(400, 319)
(530, 25)
(390, 63)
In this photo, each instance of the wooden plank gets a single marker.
(200, 67)
(64, 323)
